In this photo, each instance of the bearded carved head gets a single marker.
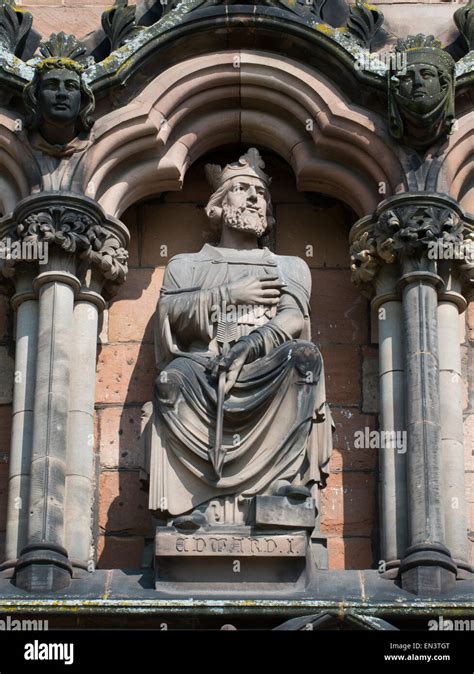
(241, 199)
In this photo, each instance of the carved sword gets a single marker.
(226, 334)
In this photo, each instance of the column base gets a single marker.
(427, 569)
(43, 567)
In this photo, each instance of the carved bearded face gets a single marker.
(244, 206)
(59, 96)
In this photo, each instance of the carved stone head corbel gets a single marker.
(58, 99)
(421, 94)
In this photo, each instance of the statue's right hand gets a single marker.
(256, 290)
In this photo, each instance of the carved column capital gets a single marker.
(60, 231)
(418, 232)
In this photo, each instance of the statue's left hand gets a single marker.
(232, 363)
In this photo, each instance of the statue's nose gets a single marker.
(252, 193)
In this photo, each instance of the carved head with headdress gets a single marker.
(241, 197)
(58, 95)
(421, 95)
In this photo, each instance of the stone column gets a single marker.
(26, 328)
(85, 257)
(379, 282)
(392, 455)
(408, 231)
(451, 304)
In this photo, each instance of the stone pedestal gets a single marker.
(228, 560)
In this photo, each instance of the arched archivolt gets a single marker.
(456, 176)
(247, 97)
(14, 173)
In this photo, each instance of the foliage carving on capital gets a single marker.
(412, 231)
(71, 231)
(365, 262)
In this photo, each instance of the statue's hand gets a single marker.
(233, 363)
(265, 289)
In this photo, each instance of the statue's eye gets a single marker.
(427, 75)
(72, 86)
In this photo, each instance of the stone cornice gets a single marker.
(333, 47)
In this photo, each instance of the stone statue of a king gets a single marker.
(240, 431)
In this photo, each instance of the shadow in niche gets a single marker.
(340, 326)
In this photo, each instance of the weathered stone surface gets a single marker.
(3, 494)
(341, 364)
(119, 436)
(348, 504)
(119, 552)
(168, 229)
(280, 511)
(79, 20)
(345, 456)
(370, 381)
(6, 376)
(469, 445)
(470, 321)
(340, 312)
(125, 373)
(131, 312)
(103, 336)
(320, 237)
(4, 317)
(130, 220)
(5, 432)
(122, 503)
(350, 553)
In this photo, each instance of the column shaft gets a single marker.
(452, 442)
(392, 460)
(22, 427)
(80, 454)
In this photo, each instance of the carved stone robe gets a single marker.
(277, 424)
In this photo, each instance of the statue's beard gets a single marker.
(244, 220)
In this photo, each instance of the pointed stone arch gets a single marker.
(248, 97)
